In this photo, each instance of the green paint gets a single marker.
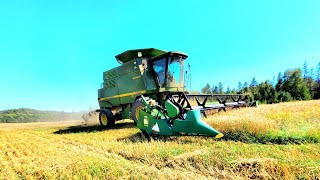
(125, 113)
(151, 72)
(172, 110)
(194, 124)
(136, 74)
(133, 54)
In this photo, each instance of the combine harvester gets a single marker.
(148, 87)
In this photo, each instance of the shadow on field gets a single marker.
(247, 137)
(236, 136)
(183, 139)
(138, 137)
(93, 128)
(143, 137)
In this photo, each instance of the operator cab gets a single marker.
(168, 69)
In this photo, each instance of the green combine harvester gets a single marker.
(149, 88)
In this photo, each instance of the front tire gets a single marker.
(137, 105)
(106, 118)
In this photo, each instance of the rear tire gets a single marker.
(106, 118)
(137, 105)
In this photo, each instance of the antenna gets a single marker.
(189, 75)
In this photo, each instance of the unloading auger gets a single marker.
(148, 87)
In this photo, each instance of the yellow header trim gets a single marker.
(220, 135)
(123, 95)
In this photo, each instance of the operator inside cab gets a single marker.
(174, 75)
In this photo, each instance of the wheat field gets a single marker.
(278, 141)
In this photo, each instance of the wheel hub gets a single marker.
(104, 119)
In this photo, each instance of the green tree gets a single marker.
(284, 96)
(254, 82)
(274, 82)
(295, 85)
(279, 82)
(317, 91)
(206, 89)
(215, 90)
(220, 88)
(305, 70)
(266, 93)
(228, 90)
(240, 87)
(318, 73)
(233, 91)
(253, 87)
(245, 87)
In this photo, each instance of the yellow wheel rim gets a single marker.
(137, 113)
(104, 119)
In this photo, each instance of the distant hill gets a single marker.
(23, 115)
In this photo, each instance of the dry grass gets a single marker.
(77, 152)
(281, 123)
(34, 125)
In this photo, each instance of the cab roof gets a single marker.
(142, 53)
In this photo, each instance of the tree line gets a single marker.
(293, 84)
(32, 115)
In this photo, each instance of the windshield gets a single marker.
(171, 77)
(175, 72)
(159, 67)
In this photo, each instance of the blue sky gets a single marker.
(53, 53)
